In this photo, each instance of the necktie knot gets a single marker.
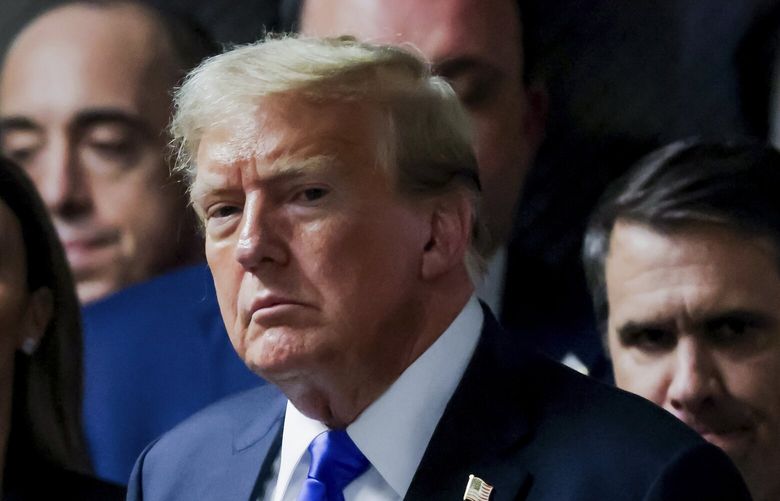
(335, 462)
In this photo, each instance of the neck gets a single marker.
(336, 394)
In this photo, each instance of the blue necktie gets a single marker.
(335, 462)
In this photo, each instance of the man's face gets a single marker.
(315, 257)
(476, 45)
(694, 326)
(83, 104)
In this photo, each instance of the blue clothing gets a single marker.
(154, 353)
(533, 429)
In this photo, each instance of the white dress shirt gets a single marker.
(393, 432)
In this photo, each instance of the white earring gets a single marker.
(29, 345)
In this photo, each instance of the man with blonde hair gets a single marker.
(339, 195)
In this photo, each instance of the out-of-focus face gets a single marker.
(16, 314)
(315, 257)
(476, 46)
(694, 326)
(84, 99)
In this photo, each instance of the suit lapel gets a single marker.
(483, 427)
(255, 445)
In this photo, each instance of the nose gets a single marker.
(62, 182)
(261, 240)
(695, 381)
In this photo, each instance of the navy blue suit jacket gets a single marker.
(154, 354)
(532, 428)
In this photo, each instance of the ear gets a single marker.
(36, 319)
(451, 221)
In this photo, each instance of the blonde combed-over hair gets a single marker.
(428, 147)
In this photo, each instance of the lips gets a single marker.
(269, 305)
(85, 251)
(725, 434)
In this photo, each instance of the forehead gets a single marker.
(79, 56)
(687, 272)
(282, 133)
(487, 30)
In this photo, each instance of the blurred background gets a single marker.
(623, 77)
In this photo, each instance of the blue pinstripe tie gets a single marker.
(335, 462)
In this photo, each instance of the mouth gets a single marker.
(725, 437)
(84, 252)
(265, 308)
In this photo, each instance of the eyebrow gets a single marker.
(83, 120)
(631, 328)
(19, 123)
(749, 317)
(97, 116)
(289, 167)
(282, 170)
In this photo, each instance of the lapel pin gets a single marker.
(477, 489)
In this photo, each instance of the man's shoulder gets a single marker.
(226, 419)
(579, 402)
(601, 435)
(553, 396)
(194, 459)
(560, 433)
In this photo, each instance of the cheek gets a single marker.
(142, 196)
(501, 135)
(755, 383)
(646, 379)
(227, 274)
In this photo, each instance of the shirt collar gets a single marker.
(394, 431)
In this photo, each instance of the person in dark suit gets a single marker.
(42, 449)
(682, 259)
(339, 196)
(486, 49)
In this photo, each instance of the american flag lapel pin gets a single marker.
(477, 489)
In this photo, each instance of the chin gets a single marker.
(89, 291)
(274, 367)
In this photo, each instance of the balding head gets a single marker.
(84, 102)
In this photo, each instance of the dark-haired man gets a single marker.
(683, 258)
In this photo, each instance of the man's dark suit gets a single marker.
(531, 428)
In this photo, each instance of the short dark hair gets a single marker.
(733, 184)
(290, 12)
